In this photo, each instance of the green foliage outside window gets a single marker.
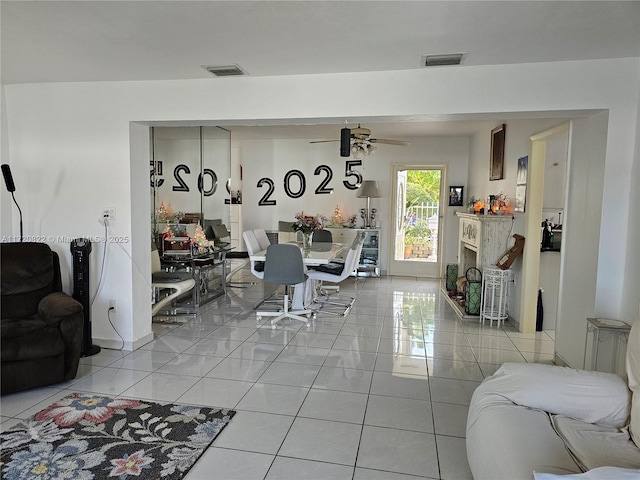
(423, 186)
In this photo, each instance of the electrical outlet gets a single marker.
(109, 213)
(113, 304)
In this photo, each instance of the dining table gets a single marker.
(320, 253)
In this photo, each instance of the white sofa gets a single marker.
(535, 420)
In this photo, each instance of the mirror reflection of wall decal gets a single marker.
(186, 164)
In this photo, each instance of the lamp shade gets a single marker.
(368, 188)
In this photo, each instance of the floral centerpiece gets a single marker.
(307, 224)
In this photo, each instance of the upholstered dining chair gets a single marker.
(284, 266)
(323, 236)
(177, 282)
(221, 233)
(286, 233)
(336, 273)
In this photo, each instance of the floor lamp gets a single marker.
(368, 189)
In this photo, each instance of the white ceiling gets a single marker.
(66, 41)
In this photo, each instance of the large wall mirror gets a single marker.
(189, 174)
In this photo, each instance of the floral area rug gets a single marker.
(85, 437)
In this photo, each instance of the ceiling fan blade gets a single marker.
(324, 141)
(389, 142)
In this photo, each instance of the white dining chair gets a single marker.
(253, 247)
(336, 273)
(262, 238)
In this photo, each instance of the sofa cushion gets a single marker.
(593, 397)
(331, 267)
(633, 373)
(29, 338)
(596, 446)
(508, 442)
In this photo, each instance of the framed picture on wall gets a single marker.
(496, 168)
(456, 196)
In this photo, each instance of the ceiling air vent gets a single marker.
(442, 60)
(224, 70)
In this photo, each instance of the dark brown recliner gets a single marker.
(42, 326)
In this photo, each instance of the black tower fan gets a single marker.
(80, 250)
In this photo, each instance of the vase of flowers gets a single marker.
(307, 224)
(307, 238)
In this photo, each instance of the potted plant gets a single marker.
(417, 233)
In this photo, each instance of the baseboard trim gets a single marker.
(111, 344)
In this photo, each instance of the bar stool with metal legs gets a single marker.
(176, 282)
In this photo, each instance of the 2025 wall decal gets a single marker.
(322, 189)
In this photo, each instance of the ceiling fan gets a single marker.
(358, 142)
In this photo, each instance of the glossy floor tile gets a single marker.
(381, 394)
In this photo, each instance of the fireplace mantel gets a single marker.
(483, 240)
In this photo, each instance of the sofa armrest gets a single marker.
(63, 310)
(593, 397)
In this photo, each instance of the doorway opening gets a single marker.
(417, 214)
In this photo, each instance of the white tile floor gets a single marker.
(380, 394)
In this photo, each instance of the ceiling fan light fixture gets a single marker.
(357, 152)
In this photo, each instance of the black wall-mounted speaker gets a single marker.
(8, 178)
(80, 250)
(345, 142)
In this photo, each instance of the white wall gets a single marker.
(6, 203)
(555, 173)
(555, 178)
(274, 158)
(70, 143)
(631, 285)
(582, 237)
(517, 144)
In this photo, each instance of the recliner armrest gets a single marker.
(63, 310)
(593, 397)
(56, 306)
